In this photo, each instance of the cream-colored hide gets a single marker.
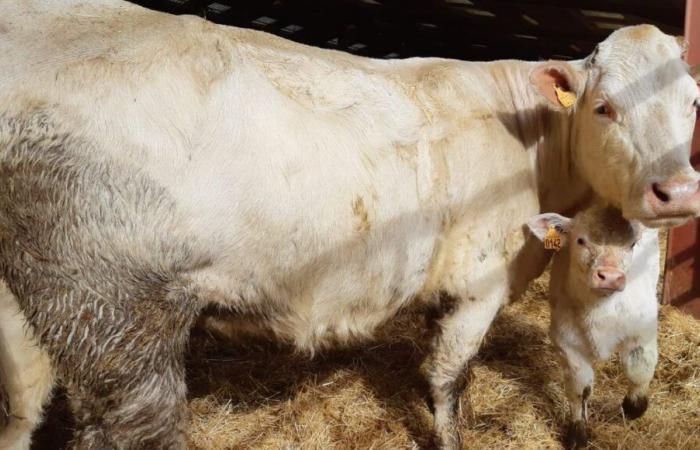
(327, 190)
(25, 374)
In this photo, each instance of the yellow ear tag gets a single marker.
(566, 98)
(552, 240)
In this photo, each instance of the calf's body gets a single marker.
(603, 301)
(152, 165)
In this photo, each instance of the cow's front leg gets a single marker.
(460, 332)
(578, 379)
(638, 364)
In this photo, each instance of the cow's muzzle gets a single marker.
(676, 199)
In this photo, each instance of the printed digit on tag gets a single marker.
(552, 240)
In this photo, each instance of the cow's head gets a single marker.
(633, 110)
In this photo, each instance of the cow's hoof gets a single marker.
(446, 441)
(634, 409)
(576, 436)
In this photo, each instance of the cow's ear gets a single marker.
(557, 81)
(682, 44)
(694, 70)
(542, 223)
(695, 73)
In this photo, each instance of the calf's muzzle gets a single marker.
(608, 279)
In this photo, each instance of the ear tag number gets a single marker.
(552, 240)
(566, 98)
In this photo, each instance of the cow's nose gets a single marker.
(608, 278)
(678, 196)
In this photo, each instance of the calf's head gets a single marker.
(632, 105)
(598, 243)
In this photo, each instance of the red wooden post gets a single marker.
(682, 279)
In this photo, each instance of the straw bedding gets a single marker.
(263, 396)
(373, 396)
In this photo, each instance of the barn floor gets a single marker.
(261, 396)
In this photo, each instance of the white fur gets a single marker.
(315, 180)
(586, 329)
(327, 190)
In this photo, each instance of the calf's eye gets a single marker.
(581, 241)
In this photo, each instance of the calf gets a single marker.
(603, 299)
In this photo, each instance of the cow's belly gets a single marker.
(321, 222)
(325, 253)
(318, 294)
(326, 234)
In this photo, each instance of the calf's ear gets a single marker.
(557, 81)
(541, 224)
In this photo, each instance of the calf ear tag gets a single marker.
(552, 240)
(566, 98)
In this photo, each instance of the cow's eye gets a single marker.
(581, 241)
(603, 110)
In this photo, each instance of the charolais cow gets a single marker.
(603, 300)
(152, 165)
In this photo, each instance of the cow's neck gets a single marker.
(550, 135)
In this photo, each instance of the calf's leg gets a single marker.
(26, 376)
(459, 335)
(638, 364)
(578, 380)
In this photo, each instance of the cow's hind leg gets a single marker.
(149, 415)
(139, 399)
(26, 376)
(460, 332)
(123, 364)
(638, 364)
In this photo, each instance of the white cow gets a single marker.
(603, 300)
(151, 165)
